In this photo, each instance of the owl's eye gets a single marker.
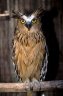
(34, 21)
(22, 21)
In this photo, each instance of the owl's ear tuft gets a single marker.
(39, 12)
(16, 14)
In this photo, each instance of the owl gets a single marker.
(29, 48)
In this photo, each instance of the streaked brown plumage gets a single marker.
(28, 50)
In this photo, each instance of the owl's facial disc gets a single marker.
(28, 20)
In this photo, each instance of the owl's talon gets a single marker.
(36, 84)
(27, 83)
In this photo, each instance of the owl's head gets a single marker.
(29, 20)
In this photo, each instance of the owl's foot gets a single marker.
(27, 83)
(36, 84)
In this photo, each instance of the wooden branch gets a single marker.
(5, 14)
(24, 87)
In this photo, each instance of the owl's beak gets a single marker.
(28, 25)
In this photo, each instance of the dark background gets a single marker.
(52, 26)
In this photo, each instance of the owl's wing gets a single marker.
(44, 65)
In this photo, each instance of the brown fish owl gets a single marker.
(29, 53)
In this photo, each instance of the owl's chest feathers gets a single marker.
(29, 51)
(28, 46)
(30, 39)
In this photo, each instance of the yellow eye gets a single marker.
(34, 21)
(22, 21)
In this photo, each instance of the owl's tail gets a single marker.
(30, 93)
